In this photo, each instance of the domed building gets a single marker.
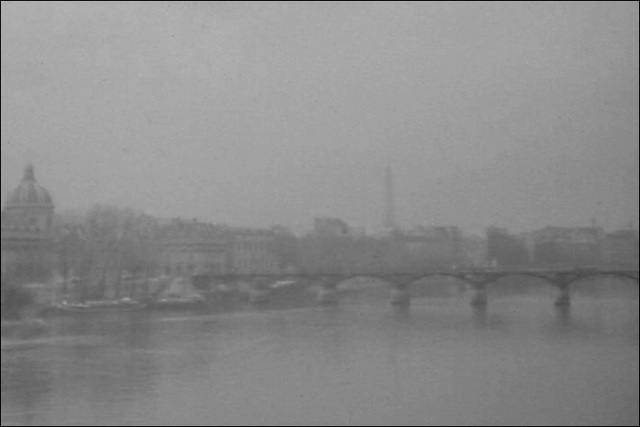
(27, 239)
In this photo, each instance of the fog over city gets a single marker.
(521, 115)
(320, 213)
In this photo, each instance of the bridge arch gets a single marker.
(499, 277)
(407, 280)
(341, 281)
(461, 278)
(621, 276)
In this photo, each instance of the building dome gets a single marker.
(29, 193)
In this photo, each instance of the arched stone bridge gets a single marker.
(478, 279)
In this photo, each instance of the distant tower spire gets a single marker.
(389, 201)
(631, 193)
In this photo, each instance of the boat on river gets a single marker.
(177, 302)
(101, 306)
(179, 294)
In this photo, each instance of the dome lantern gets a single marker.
(29, 193)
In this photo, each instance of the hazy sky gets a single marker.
(516, 114)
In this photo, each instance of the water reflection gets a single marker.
(402, 312)
(28, 384)
(480, 317)
(564, 321)
(435, 362)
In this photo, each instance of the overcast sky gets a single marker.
(514, 114)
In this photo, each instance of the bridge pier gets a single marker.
(328, 292)
(400, 294)
(563, 296)
(480, 315)
(479, 295)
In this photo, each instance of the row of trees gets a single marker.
(14, 301)
(109, 245)
(505, 249)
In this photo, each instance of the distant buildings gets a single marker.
(575, 246)
(190, 248)
(193, 248)
(505, 249)
(475, 251)
(105, 245)
(330, 227)
(334, 246)
(583, 246)
(28, 253)
(433, 247)
(253, 251)
(620, 248)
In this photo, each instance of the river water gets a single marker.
(439, 362)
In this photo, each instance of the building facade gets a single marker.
(577, 246)
(192, 248)
(198, 249)
(620, 248)
(28, 252)
(253, 251)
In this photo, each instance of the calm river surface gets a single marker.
(522, 362)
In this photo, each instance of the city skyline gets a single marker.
(387, 226)
(320, 213)
(258, 114)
